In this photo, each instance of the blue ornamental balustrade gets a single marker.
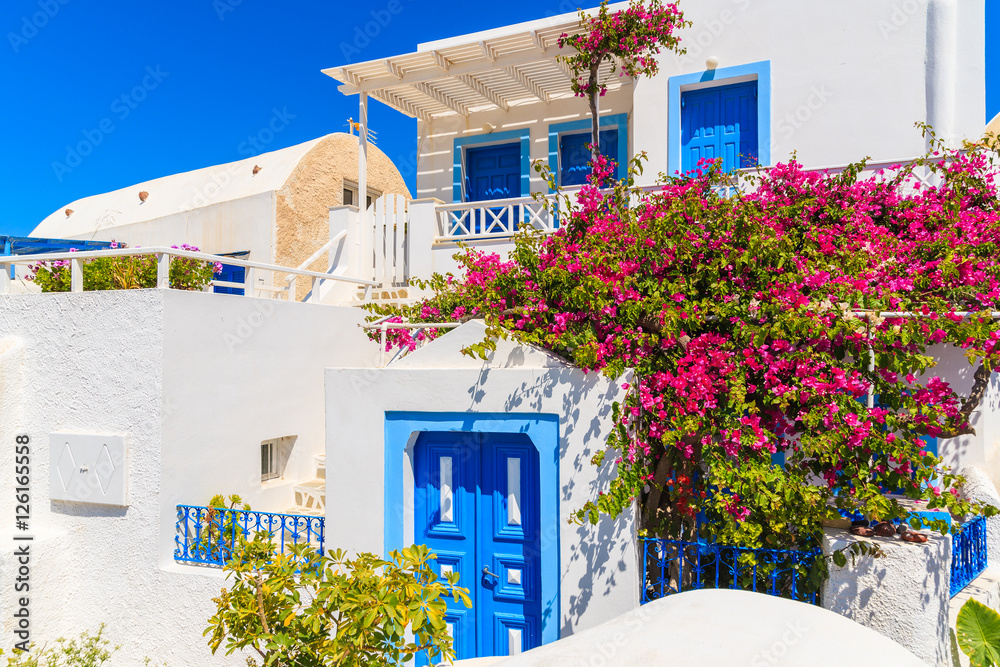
(208, 535)
(673, 566)
(968, 554)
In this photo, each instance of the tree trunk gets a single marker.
(595, 123)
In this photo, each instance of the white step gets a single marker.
(321, 466)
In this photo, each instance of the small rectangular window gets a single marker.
(268, 461)
(348, 197)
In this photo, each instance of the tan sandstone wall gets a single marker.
(302, 222)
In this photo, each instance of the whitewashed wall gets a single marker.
(195, 391)
(224, 227)
(849, 78)
(599, 576)
(981, 449)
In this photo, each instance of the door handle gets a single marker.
(486, 571)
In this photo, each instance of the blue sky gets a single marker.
(163, 87)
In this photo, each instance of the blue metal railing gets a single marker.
(208, 535)
(673, 566)
(968, 554)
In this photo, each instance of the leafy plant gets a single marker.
(131, 272)
(751, 323)
(978, 631)
(221, 530)
(90, 650)
(629, 39)
(309, 610)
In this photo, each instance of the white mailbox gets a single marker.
(88, 468)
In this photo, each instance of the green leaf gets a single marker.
(978, 630)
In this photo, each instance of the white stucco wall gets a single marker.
(849, 78)
(195, 381)
(598, 566)
(222, 227)
(903, 595)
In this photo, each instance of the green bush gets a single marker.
(89, 650)
(310, 610)
(133, 272)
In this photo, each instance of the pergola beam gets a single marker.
(403, 105)
(412, 75)
(484, 90)
(528, 84)
(443, 98)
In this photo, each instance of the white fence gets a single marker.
(163, 256)
(503, 218)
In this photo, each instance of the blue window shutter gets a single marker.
(493, 172)
(720, 122)
(574, 156)
(230, 274)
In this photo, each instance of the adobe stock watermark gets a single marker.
(775, 653)
(711, 30)
(30, 25)
(254, 144)
(793, 121)
(364, 33)
(121, 108)
(247, 326)
(901, 14)
(223, 7)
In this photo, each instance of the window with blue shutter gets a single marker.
(493, 172)
(230, 274)
(574, 155)
(720, 122)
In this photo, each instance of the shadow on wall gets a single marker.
(76, 508)
(595, 546)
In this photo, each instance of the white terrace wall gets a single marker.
(196, 381)
(981, 449)
(598, 565)
(848, 78)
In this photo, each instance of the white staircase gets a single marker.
(310, 497)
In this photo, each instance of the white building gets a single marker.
(198, 394)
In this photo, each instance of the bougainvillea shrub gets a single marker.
(757, 323)
(131, 272)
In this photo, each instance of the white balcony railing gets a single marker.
(495, 218)
(163, 256)
(502, 218)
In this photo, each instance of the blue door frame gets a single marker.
(401, 432)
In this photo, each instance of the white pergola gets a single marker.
(493, 70)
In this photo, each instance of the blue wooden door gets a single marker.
(493, 172)
(574, 155)
(719, 122)
(476, 506)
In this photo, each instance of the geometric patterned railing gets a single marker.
(208, 535)
(672, 566)
(968, 554)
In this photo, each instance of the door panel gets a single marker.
(477, 506)
(445, 515)
(494, 172)
(719, 122)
